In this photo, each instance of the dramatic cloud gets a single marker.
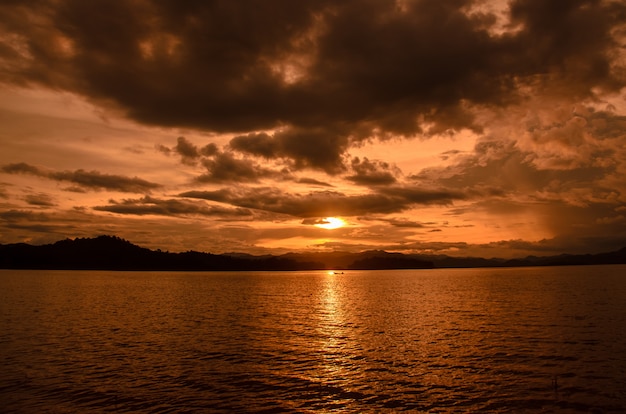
(326, 203)
(189, 152)
(221, 166)
(170, 207)
(22, 168)
(574, 157)
(584, 138)
(314, 147)
(464, 126)
(225, 167)
(323, 74)
(372, 172)
(571, 42)
(261, 144)
(42, 200)
(92, 180)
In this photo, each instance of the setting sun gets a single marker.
(330, 223)
(401, 154)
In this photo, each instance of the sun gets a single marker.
(330, 223)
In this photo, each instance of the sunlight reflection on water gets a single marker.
(464, 340)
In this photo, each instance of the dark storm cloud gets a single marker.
(325, 203)
(415, 195)
(22, 168)
(321, 74)
(170, 207)
(261, 144)
(97, 180)
(313, 147)
(186, 148)
(188, 151)
(224, 167)
(221, 166)
(93, 180)
(42, 200)
(571, 41)
(368, 172)
(315, 204)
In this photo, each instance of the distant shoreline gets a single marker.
(114, 253)
(343, 272)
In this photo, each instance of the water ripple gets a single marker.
(451, 341)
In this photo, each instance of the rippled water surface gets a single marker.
(446, 340)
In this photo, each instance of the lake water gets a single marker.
(545, 340)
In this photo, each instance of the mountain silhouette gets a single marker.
(114, 253)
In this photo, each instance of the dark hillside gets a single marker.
(114, 253)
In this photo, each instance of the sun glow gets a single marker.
(330, 223)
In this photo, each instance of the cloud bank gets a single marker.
(85, 180)
(321, 75)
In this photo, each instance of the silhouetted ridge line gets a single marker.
(114, 253)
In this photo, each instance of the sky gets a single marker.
(485, 128)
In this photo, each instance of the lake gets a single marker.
(513, 340)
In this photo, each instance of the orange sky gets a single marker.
(486, 128)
